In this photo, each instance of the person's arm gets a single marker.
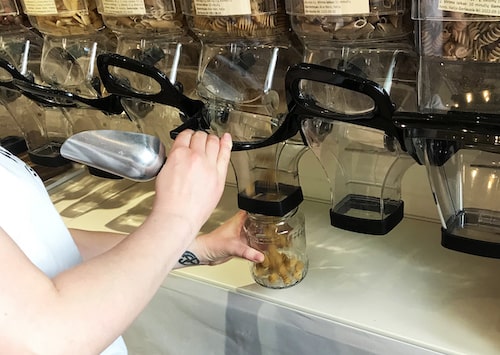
(221, 245)
(88, 306)
(216, 247)
(93, 243)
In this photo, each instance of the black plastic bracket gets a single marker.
(340, 219)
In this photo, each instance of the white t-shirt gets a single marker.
(29, 217)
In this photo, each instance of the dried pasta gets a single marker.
(161, 16)
(262, 22)
(11, 17)
(470, 39)
(75, 17)
(384, 21)
(282, 266)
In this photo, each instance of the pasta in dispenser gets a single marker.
(142, 16)
(313, 20)
(248, 19)
(459, 49)
(63, 17)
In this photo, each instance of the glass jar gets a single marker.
(283, 242)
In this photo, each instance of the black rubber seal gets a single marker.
(340, 219)
(469, 246)
(103, 174)
(15, 145)
(280, 208)
(48, 155)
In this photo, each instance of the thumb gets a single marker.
(250, 254)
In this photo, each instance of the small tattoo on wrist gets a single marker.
(189, 258)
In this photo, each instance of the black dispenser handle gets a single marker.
(380, 117)
(168, 94)
(60, 98)
(301, 105)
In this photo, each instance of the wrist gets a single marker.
(193, 255)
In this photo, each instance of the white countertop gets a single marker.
(404, 285)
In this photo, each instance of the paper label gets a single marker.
(478, 7)
(123, 7)
(336, 7)
(222, 7)
(40, 7)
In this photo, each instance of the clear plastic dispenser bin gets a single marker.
(14, 30)
(63, 17)
(349, 129)
(320, 22)
(44, 127)
(70, 64)
(251, 19)
(459, 48)
(142, 16)
(461, 153)
(365, 167)
(154, 34)
(365, 39)
(246, 50)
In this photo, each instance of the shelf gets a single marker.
(402, 288)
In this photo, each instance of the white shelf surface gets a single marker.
(403, 286)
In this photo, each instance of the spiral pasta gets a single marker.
(470, 39)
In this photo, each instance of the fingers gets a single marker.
(224, 155)
(199, 142)
(246, 252)
(183, 139)
(217, 150)
(212, 147)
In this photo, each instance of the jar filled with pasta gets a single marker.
(142, 16)
(283, 242)
(63, 17)
(235, 18)
(459, 49)
(366, 20)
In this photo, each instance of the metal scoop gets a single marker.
(134, 156)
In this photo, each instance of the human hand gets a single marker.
(192, 180)
(222, 244)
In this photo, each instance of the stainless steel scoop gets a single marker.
(134, 156)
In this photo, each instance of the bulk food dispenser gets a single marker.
(457, 137)
(153, 33)
(246, 50)
(42, 129)
(14, 28)
(371, 40)
(74, 35)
